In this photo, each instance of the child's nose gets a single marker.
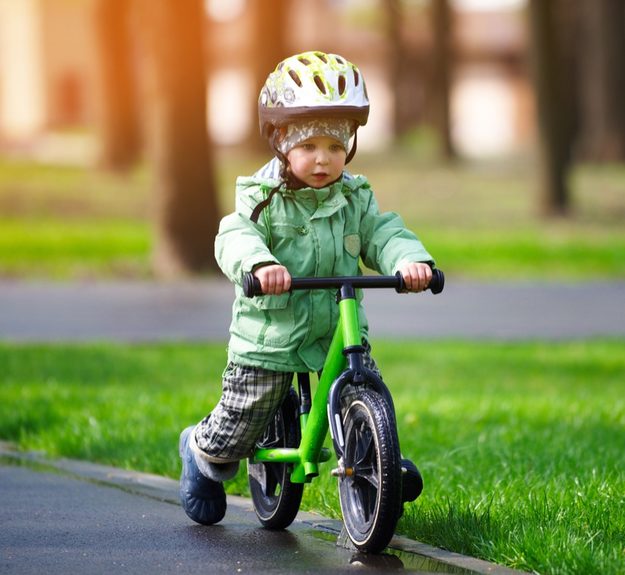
(322, 157)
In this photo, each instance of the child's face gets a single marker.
(317, 161)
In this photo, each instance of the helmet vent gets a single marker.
(304, 61)
(356, 78)
(321, 57)
(341, 85)
(340, 60)
(295, 77)
(320, 84)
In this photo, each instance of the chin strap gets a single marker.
(262, 205)
(352, 152)
(283, 176)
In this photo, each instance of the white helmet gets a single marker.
(312, 85)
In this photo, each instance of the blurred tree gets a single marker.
(118, 118)
(186, 207)
(441, 76)
(268, 47)
(602, 70)
(396, 60)
(553, 90)
(406, 71)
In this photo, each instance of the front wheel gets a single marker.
(277, 500)
(370, 484)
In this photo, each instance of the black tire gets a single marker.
(277, 500)
(370, 491)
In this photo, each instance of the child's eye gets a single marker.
(336, 148)
(308, 147)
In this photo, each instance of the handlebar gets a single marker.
(251, 284)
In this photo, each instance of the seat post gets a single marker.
(303, 385)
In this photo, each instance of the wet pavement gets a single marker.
(64, 516)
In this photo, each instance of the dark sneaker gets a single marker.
(412, 482)
(203, 499)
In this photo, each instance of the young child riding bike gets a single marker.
(301, 214)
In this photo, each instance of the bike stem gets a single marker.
(348, 309)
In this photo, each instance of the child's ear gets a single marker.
(281, 133)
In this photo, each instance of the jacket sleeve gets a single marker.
(386, 242)
(241, 245)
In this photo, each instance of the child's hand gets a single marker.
(274, 279)
(417, 276)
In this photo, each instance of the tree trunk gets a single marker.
(186, 208)
(406, 72)
(603, 89)
(551, 105)
(442, 74)
(268, 47)
(392, 9)
(118, 119)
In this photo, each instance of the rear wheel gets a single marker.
(370, 484)
(277, 500)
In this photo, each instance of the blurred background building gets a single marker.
(50, 91)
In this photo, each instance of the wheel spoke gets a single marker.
(365, 460)
(274, 478)
(364, 445)
(366, 496)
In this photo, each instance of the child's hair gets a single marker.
(312, 86)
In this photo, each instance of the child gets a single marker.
(302, 215)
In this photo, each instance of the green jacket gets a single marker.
(313, 232)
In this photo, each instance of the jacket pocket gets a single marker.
(269, 321)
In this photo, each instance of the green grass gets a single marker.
(479, 220)
(59, 250)
(520, 444)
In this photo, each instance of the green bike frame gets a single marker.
(346, 342)
(314, 425)
(343, 365)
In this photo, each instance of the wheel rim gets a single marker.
(362, 487)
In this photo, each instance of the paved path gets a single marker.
(65, 516)
(200, 310)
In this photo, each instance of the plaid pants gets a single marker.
(249, 400)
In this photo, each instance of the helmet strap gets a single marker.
(352, 152)
(284, 174)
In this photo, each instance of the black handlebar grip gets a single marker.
(251, 285)
(401, 284)
(437, 283)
